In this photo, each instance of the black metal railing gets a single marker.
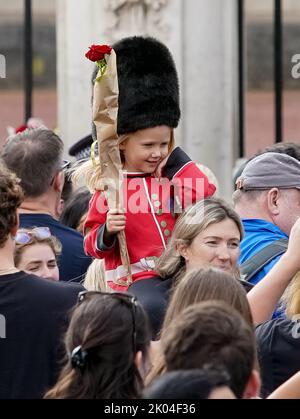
(278, 72)
(241, 64)
(28, 75)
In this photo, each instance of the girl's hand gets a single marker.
(160, 167)
(115, 221)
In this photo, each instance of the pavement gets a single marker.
(259, 127)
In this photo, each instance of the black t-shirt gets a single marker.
(153, 294)
(279, 352)
(73, 262)
(34, 314)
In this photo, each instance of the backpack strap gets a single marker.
(253, 265)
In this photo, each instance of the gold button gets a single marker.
(157, 204)
(163, 224)
(155, 197)
(167, 233)
(159, 212)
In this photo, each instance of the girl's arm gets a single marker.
(95, 229)
(190, 183)
(264, 297)
(289, 390)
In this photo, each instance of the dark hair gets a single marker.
(11, 196)
(35, 156)
(75, 208)
(291, 149)
(207, 284)
(102, 326)
(67, 192)
(212, 333)
(195, 287)
(188, 384)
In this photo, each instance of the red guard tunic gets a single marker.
(152, 206)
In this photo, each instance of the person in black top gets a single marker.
(33, 311)
(35, 156)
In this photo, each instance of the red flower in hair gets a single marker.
(97, 52)
(21, 128)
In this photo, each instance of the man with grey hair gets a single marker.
(268, 201)
(35, 156)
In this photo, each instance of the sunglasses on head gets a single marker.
(25, 237)
(65, 164)
(127, 299)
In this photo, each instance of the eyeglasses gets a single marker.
(65, 164)
(128, 299)
(25, 237)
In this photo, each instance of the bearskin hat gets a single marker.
(148, 85)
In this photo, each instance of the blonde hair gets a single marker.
(291, 297)
(193, 221)
(95, 277)
(198, 286)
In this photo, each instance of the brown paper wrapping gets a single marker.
(105, 116)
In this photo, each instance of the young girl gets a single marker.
(159, 181)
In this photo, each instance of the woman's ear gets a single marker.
(142, 364)
(138, 359)
(182, 249)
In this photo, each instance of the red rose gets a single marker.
(21, 128)
(97, 52)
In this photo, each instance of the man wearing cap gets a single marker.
(268, 201)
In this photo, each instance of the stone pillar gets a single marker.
(210, 86)
(202, 36)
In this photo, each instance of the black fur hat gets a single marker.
(148, 85)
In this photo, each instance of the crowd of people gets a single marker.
(166, 292)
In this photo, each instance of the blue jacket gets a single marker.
(259, 234)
